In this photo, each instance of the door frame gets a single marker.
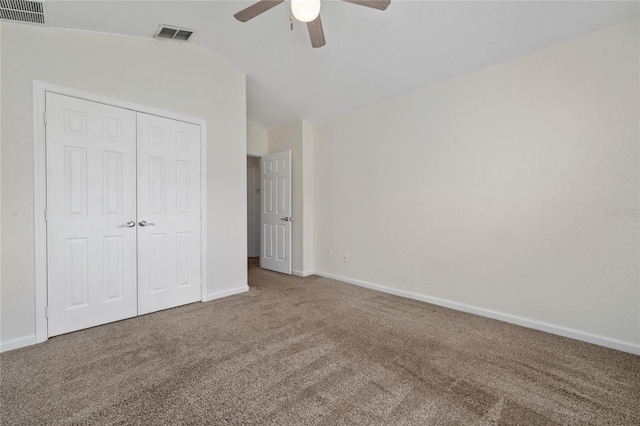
(40, 187)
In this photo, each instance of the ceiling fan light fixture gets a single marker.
(305, 10)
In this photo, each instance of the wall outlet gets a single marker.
(345, 257)
(329, 254)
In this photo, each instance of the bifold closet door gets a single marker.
(91, 213)
(168, 213)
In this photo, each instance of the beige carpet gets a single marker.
(315, 351)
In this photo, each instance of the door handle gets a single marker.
(145, 223)
(286, 219)
(129, 224)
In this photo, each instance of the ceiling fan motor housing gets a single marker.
(305, 11)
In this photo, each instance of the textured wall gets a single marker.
(512, 189)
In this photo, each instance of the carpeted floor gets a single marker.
(315, 351)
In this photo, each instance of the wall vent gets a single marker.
(176, 33)
(22, 11)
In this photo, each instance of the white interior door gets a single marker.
(276, 212)
(91, 213)
(168, 213)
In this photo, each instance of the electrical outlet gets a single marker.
(345, 257)
(329, 254)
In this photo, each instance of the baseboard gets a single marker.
(301, 273)
(226, 293)
(513, 319)
(17, 343)
(31, 340)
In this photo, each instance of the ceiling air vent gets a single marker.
(22, 11)
(176, 33)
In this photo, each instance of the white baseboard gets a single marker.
(17, 343)
(31, 340)
(513, 319)
(301, 273)
(225, 293)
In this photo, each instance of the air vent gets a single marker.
(176, 33)
(22, 11)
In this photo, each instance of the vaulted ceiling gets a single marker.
(370, 55)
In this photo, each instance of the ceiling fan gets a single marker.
(305, 11)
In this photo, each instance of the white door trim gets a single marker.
(40, 187)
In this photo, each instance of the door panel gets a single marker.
(91, 164)
(169, 201)
(276, 212)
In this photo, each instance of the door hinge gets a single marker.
(46, 311)
(44, 117)
(46, 216)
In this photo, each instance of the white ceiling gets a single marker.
(370, 55)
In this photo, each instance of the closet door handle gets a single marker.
(129, 224)
(145, 223)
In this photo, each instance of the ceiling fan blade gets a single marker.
(375, 4)
(256, 9)
(316, 33)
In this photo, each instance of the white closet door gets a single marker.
(168, 213)
(91, 210)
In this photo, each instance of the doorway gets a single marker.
(269, 211)
(253, 209)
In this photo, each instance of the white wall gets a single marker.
(0, 186)
(513, 190)
(256, 140)
(307, 198)
(164, 74)
(284, 138)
